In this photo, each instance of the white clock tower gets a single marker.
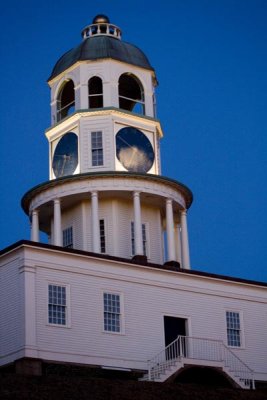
(105, 193)
(112, 289)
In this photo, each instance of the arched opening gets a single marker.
(66, 100)
(204, 376)
(131, 94)
(95, 90)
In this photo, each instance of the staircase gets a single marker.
(187, 350)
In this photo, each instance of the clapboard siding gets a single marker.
(146, 301)
(11, 310)
(148, 294)
(74, 217)
(103, 124)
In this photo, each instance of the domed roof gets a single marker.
(101, 42)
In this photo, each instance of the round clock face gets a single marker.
(65, 158)
(134, 150)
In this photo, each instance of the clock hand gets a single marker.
(68, 156)
(123, 140)
(63, 166)
(133, 155)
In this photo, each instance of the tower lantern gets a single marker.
(105, 192)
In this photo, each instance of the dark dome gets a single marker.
(99, 47)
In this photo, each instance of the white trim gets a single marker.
(122, 313)
(68, 310)
(242, 333)
(91, 149)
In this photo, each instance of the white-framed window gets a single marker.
(112, 312)
(67, 236)
(102, 236)
(58, 304)
(144, 239)
(97, 149)
(234, 332)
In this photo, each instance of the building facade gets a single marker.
(113, 287)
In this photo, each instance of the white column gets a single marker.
(95, 223)
(57, 223)
(178, 243)
(184, 241)
(35, 226)
(170, 231)
(138, 242)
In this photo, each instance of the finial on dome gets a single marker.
(101, 26)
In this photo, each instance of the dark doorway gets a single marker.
(174, 327)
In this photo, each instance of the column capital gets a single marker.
(35, 211)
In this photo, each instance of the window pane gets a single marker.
(57, 304)
(68, 237)
(102, 236)
(233, 329)
(112, 317)
(97, 148)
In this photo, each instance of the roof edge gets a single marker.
(197, 273)
(30, 193)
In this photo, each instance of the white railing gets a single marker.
(200, 349)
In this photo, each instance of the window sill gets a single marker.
(59, 326)
(114, 333)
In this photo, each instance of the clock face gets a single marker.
(134, 150)
(65, 158)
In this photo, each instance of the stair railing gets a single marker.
(200, 349)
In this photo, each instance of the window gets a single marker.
(144, 239)
(102, 236)
(95, 89)
(131, 94)
(233, 328)
(112, 312)
(97, 148)
(68, 237)
(66, 100)
(57, 306)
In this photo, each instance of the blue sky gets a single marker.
(211, 62)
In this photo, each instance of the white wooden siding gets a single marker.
(11, 311)
(74, 217)
(104, 125)
(148, 295)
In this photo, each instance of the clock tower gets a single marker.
(105, 192)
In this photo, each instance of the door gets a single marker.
(174, 327)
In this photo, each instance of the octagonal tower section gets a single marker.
(105, 192)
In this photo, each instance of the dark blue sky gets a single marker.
(211, 62)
